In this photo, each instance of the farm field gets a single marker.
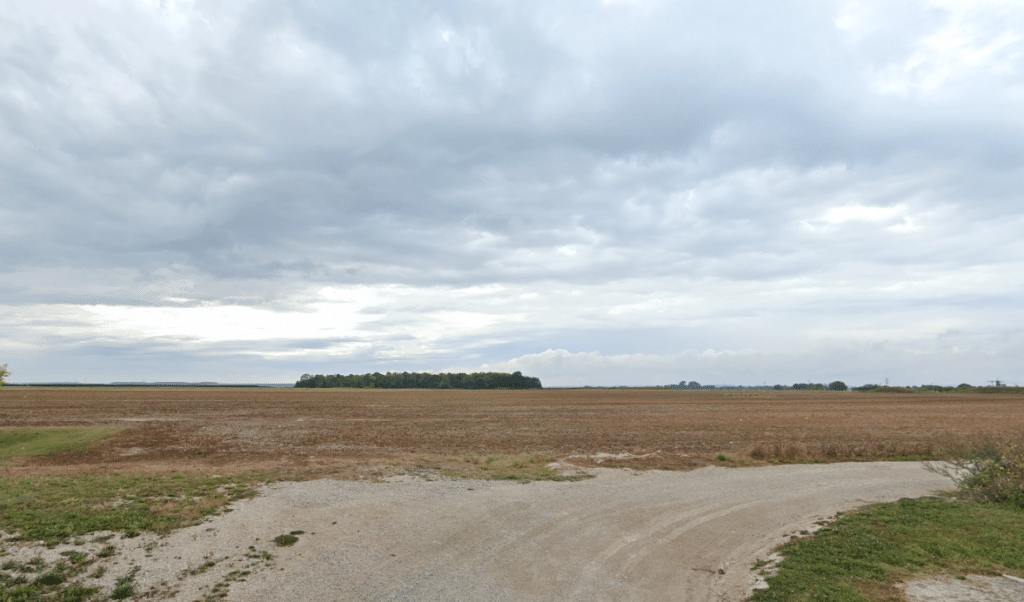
(407, 532)
(364, 432)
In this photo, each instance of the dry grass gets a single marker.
(372, 433)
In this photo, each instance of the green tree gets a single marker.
(837, 385)
(4, 373)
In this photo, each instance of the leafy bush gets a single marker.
(988, 472)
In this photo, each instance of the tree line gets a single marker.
(693, 385)
(422, 380)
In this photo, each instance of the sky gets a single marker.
(617, 192)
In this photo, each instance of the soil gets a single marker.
(356, 432)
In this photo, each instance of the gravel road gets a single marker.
(645, 536)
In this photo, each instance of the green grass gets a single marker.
(860, 556)
(35, 581)
(285, 540)
(45, 441)
(55, 508)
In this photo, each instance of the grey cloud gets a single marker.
(265, 148)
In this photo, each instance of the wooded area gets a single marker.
(422, 380)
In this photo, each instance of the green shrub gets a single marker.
(988, 472)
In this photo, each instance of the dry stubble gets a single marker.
(347, 432)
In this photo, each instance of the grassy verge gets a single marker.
(862, 555)
(55, 508)
(44, 441)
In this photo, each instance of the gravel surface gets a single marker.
(622, 535)
(974, 588)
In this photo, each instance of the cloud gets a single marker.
(853, 364)
(489, 180)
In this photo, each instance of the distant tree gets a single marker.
(305, 377)
(964, 386)
(837, 386)
(4, 373)
(414, 380)
(866, 387)
(808, 387)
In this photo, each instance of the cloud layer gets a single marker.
(602, 190)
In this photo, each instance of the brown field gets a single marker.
(359, 432)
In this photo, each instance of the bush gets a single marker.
(989, 472)
(837, 386)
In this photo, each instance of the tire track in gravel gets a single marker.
(650, 536)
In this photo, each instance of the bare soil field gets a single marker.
(365, 432)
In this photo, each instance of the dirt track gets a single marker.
(654, 535)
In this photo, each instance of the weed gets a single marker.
(107, 551)
(74, 557)
(722, 458)
(77, 593)
(99, 572)
(782, 452)
(125, 586)
(51, 578)
(286, 540)
(199, 570)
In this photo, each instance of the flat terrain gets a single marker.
(406, 532)
(360, 432)
(642, 536)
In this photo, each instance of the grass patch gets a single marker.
(55, 508)
(125, 586)
(21, 442)
(860, 556)
(286, 540)
(38, 582)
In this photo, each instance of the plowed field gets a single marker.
(380, 432)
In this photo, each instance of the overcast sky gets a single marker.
(592, 192)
